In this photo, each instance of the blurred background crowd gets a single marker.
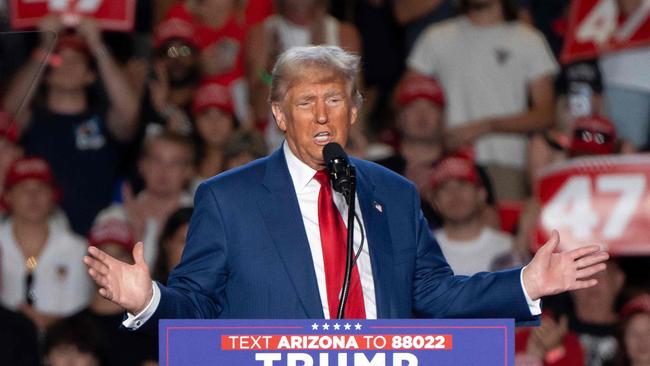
(104, 136)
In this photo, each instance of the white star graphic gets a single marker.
(314, 326)
(357, 326)
(347, 326)
(326, 326)
(337, 326)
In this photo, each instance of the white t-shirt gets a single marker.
(485, 72)
(61, 284)
(468, 257)
(627, 69)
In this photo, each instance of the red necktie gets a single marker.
(333, 236)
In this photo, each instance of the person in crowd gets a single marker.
(215, 124)
(595, 316)
(589, 136)
(114, 236)
(18, 339)
(488, 64)
(635, 318)
(175, 77)
(420, 105)
(550, 344)
(166, 166)
(74, 341)
(43, 275)
(296, 23)
(468, 243)
(242, 148)
(77, 132)
(221, 34)
(627, 83)
(171, 243)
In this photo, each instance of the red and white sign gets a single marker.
(597, 200)
(115, 15)
(595, 27)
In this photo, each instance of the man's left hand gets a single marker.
(463, 136)
(550, 273)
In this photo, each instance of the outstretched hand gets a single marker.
(550, 273)
(128, 285)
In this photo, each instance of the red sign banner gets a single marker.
(595, 27)
(596, 200)
(115, 15)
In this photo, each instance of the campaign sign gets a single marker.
(596, 26)
(596, 200)
(115, 15)
(322, 342)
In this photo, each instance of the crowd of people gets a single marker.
(105, 136)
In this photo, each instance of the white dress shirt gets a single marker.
(307, 189)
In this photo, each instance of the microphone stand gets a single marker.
(349, 195)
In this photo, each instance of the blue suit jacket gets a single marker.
(247, 254)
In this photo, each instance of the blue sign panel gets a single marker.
(337, 342)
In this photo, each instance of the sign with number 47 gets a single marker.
(597, 200)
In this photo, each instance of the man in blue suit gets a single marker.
(255, 246)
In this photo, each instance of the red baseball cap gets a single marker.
(454, 167)
(593, 135)
(639, 304)
(29, 167)
(111, 231)
(174, 29)
(212, 94)
(416, 87)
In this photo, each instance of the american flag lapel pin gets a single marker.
(378, 207)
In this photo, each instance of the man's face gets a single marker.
(215, 127)
(458, 201)
(421, 120)
(166, 167)
(31, 200)
(637, 339)
(317, 109)
(73, 73)
(181, 62)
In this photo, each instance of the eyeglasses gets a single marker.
(179, 51)
(589, 136)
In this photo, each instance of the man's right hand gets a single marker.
(128, 285)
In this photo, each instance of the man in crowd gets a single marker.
(42, 275)
(267, 240)
(166, 166)
(72, 128)
(468, 243)
(488, 64)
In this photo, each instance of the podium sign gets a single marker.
(323, 342)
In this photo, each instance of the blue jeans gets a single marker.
(629, 110)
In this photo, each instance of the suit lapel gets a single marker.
(281, 212)
(381, 254)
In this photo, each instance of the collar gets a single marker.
(301, 173)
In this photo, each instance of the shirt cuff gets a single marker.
(134, 322)
(534, 306)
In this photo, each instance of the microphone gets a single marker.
(342, 175)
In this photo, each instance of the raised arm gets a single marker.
(22, 88)
(123, 112)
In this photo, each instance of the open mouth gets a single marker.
(323, 138)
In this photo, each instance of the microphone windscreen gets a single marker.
(333, 151)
